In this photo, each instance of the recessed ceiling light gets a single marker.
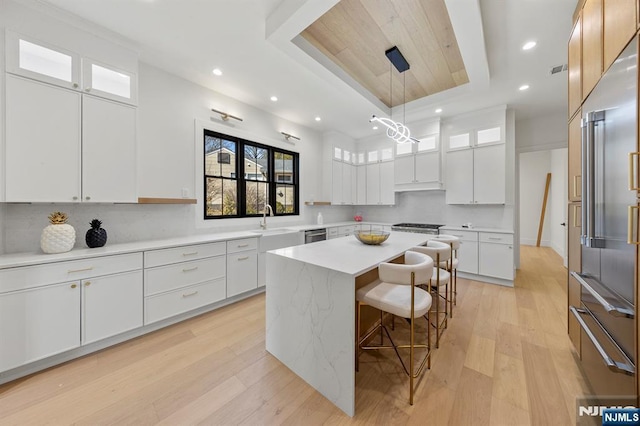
(524, 87)
(217, 71)
(529, 45)
(274, 99)
(375, 127)
(438, 111)
(318, 118)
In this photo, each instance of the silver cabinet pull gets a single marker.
(612, 364)
(189, 269)
(87, 198)
(495, 238)
(193, 293)
(616, 311)
(192, 253)
(589, 238)
(73, 271)
(243, 258)
(243, 245)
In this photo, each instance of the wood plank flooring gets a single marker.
(505, 359)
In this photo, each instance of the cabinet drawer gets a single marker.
(180, 254)
(175, 302)
(346, 230)
(242, 245)
(332, 232)
(34, 276)
(171, 277)
(463, 235)
(495, 237)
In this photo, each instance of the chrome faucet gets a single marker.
(263, 224)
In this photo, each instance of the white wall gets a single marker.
(544, 132)
(534, 167)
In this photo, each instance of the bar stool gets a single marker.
(397, 293)
(439, 252)
(452, 265)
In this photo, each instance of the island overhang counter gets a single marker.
(310, 307)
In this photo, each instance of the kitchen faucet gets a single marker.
(263, 224)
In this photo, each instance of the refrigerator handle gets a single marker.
(588, 238)
(616, 311)
(613, 365)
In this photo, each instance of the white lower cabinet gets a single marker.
(496, 255)
(51, 308)
(111, 305)
(242, 272)
(182, 279)
(488, 254)
(38, 322)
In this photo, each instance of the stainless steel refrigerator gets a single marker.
(607, 279)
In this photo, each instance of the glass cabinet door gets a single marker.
(108, 82)
(42, 61)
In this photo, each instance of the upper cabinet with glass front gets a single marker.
(52, 64)
(417, 165)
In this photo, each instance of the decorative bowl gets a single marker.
(372, 237)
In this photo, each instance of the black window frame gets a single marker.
(242, 181)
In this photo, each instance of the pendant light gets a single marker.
(396, 130)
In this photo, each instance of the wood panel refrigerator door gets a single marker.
(459, 177)
(575, 163)
(489, 180)
(574, 289)
(591, 45)
(111, 305)
(108, 151)
(38, 323)
(42, 157)
(618, 28)
(574, 67)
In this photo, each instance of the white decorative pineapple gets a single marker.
(58, 237)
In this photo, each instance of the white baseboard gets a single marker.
(532, 242)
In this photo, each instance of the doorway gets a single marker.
(533, 169)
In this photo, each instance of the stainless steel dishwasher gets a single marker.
(313, 235)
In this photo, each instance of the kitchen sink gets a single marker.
(274, 231)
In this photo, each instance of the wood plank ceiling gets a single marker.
(354, 34)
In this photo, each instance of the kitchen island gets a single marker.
(310, 307)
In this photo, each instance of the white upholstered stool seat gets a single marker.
(395, 299)
(396, 292)
(445, 276)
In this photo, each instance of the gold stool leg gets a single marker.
(357, 336)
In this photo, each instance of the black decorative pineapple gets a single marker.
(96, 236)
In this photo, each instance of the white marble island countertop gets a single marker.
(350, 256)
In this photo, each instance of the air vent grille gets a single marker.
(557, 69)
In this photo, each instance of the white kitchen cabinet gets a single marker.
(476, 176)
(108, 151)
(496, 255)
(459, 180)
(468, 252)
(38, 322)
(417, 165)
(489, 180)
(380, 183)
(54, 307)
(58, 151)
(111, 305)
(242, 266)
(361, 185)
(343, 183)
(180, 279)
(52, 64)
(43, 143)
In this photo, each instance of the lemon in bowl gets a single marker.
(372, 237)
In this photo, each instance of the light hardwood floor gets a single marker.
(504, 360)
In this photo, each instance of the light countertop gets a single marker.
(350, 256)
(474, 229)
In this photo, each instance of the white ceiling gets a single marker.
(251, 41)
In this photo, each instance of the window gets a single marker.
(241, 176)
(488, 136)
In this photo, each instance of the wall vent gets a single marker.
(557, 69)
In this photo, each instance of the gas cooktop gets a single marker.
(426, 228)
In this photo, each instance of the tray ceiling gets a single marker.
(355, 34)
